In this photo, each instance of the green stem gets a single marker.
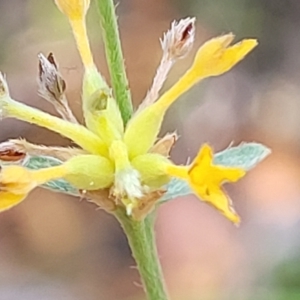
(140, 235)
(114, 56)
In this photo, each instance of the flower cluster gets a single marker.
(124, 165)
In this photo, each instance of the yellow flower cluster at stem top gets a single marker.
(125, 160)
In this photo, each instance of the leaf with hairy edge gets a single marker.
(246, 156)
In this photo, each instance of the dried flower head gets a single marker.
(178, 41)
(51, 84)
(9, 153)
(176, 44)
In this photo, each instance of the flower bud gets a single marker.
(101, 111)
(73, 9)
(89, 172)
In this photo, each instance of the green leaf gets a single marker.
(60, 185)
(246, 156)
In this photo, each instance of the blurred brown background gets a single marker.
(57, 247)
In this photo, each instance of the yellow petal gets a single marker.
(16, 182)
(214, 58)
(20, 180)
(73, 9)
(217, 198)
(177, 171)
(9, 200)
(225, 174)
(206, 179)
(16, 179)
(77, 133)
(204, 157)
(203, 170)
(82, 41)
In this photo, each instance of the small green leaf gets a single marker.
(246, 156)
(60, 185)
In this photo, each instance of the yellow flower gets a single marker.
(128, 163)
(16, 182)
(73, 9)
(101, 112)
(206, 179)
(87, 172)
(214, 58)
(76, 10)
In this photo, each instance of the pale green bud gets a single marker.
(89, 172)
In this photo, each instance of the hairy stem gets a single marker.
(140, 235)
(114, 56)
